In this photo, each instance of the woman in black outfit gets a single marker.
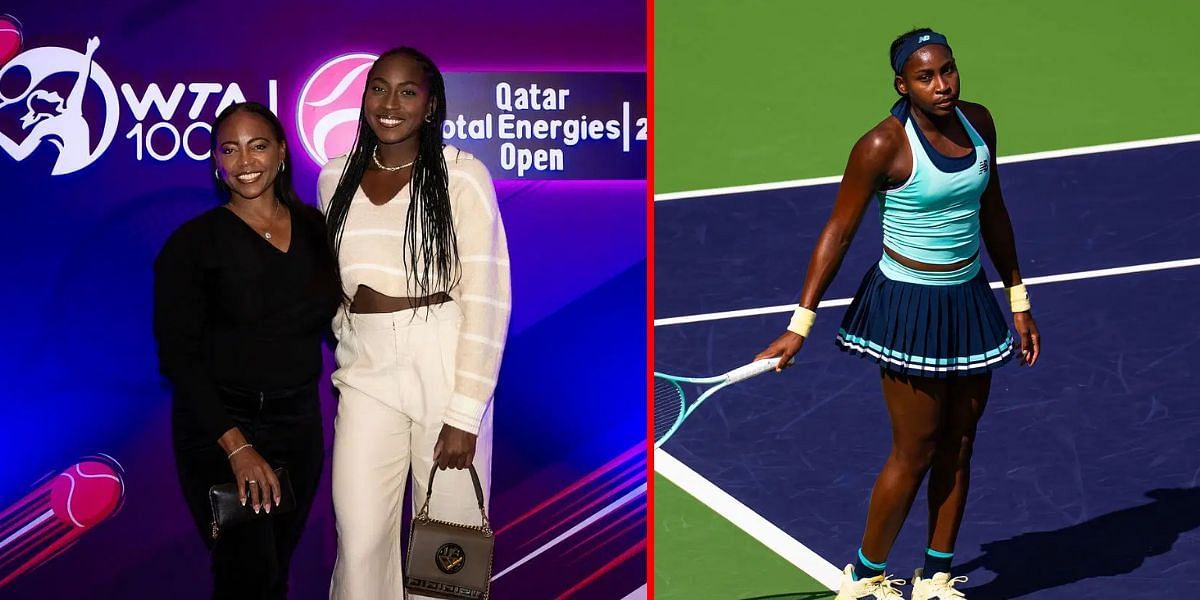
(243, 295)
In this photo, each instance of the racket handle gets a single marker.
(747, 371)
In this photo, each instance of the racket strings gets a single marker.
(668, 406)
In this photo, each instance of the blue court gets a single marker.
(1086, 476)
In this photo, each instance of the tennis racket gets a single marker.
(671, 404)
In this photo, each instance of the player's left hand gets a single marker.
(455, 448)
(1031, 342)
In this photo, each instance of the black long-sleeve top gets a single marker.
(232, 310)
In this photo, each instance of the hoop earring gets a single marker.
(428, 118)
(217, 174)
(282, 166)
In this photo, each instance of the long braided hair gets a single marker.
(431, 248)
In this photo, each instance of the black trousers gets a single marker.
(251, 561)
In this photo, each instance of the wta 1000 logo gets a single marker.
(524, 125)
(166, 124)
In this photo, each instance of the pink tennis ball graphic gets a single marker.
(10, 38)
(59, 510)
(86, 493)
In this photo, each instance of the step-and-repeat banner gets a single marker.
(104, 151)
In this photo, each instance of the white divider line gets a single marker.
(746, 519)
(1016, 158)
(783, 308)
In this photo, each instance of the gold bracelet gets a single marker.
(1018, 298)
(239, 449)
(802, 321)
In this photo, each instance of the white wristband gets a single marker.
(802, 321)
(1018, 298)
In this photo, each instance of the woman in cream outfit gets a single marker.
(424, 267)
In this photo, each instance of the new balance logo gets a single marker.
(923, 39)
(983, 166)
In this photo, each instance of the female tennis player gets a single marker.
(423, 262)
(925, 312)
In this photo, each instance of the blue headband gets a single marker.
(912, 43)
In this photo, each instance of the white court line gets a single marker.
(747, 520)
(744, 189)
(1003, 160)
(766, 310)
(745, 312)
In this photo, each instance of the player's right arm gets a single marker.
(871, 161)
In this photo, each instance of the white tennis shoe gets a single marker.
(874, 588)
(938, 587)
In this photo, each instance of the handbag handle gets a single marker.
(423, 514)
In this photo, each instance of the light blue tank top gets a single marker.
(934, 216)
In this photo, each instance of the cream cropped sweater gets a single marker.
(372, 254)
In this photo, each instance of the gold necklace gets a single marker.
(375, 157)
(267, 234)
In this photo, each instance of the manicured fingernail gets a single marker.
(268, 509)
(256, 509)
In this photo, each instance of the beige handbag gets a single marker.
(449, 560)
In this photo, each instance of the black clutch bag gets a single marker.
(227, 509)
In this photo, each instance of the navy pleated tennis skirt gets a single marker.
(926, 330)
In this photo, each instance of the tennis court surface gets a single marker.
(1086, 475)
